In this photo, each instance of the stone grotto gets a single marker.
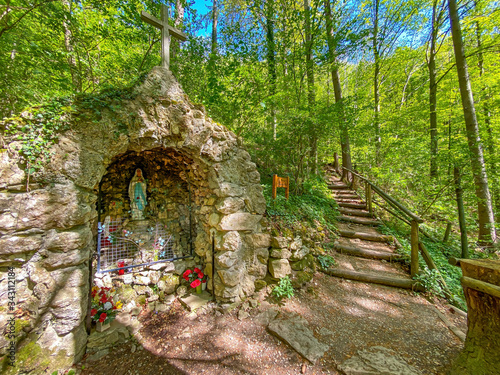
(188, 177)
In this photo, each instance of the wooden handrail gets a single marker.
(388, 198)
(413, 219)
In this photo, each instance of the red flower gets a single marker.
(102, 317)
(201, 274)
(121, 272)
(94, 292)
(93, 312)
(195, 283)
(103, 299)
(204, 281)
(186, 274)
(197, 270)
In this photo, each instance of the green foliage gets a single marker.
(37, 129)
(431, 281)
(314, 205)
(284, 288)
(440, 253)
(326, 261)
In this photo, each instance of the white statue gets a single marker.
(137, 194)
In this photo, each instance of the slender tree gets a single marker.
(271, 61)
(486, 220)
(437, 17)
(311, 93)
(337, 88)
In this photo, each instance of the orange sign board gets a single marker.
(283, 182)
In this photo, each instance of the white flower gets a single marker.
(108, 305)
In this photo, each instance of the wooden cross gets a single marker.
(166, 31)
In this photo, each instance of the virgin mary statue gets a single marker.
(137, 194)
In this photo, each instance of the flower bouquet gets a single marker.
(104, 309)
(194, 278)
(121, 270)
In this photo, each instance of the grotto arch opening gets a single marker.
(160, 226)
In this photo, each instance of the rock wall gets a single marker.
(48, 220)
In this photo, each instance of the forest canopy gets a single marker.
(374, 80)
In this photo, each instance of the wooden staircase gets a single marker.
(363, 253)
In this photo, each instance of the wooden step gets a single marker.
(375, 279)
(354, 212)
(352, 205)
(347, 196)
(360, 220)
(365, 253)
(338, 187)
(366, 236)
(344, 192)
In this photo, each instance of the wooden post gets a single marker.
(354, 184)
(368, 193)
(414, 248)
(275, 185)
(287, 191)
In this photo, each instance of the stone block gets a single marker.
(299, 253)
(227, 259)
(279, 242)
(195, 301)
(230, 205)
(231, 277)
(296, 244)
(230, 190)
(279, 268)
(294, 332)
(240, 221)
(280, 253)
(260, 240)
(231, 241)
(20, 244)
(168, 283)
(262, 255)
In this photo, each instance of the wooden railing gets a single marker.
(406, 215)
(411, 218)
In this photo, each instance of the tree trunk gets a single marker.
(271, 62)
(486, 220)
(490, 143)
(376, 83)
(337, 88)
(212, 75)
(461, 213)
(214, 27)
(433, 92)
(69, 46)
(311, 96)
(179, 18)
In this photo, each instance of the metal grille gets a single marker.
(120, 248)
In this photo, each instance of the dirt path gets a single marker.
(348, 316)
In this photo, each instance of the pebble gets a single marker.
(133, 349)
